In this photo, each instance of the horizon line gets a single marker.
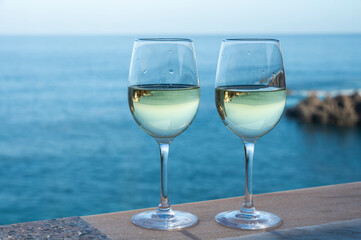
(177, 34)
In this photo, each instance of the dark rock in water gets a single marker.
(341, 110)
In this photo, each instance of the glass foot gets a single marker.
(256, 221)
(170, 220)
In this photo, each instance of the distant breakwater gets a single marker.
(339, 110)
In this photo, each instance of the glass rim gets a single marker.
(251, 40)
(163, 40)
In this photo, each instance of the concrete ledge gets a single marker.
(297, 208)
(62, 228)
(345, 230)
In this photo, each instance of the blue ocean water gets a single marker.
(69, 145)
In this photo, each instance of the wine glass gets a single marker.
(250, 99)
(163, 96)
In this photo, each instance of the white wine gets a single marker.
(250, 111)
(164, 110)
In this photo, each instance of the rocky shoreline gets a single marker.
(341, 110)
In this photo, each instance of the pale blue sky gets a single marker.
(179, 16)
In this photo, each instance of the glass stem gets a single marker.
(248, 207)
(164, 205)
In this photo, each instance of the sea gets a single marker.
(69, 145)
